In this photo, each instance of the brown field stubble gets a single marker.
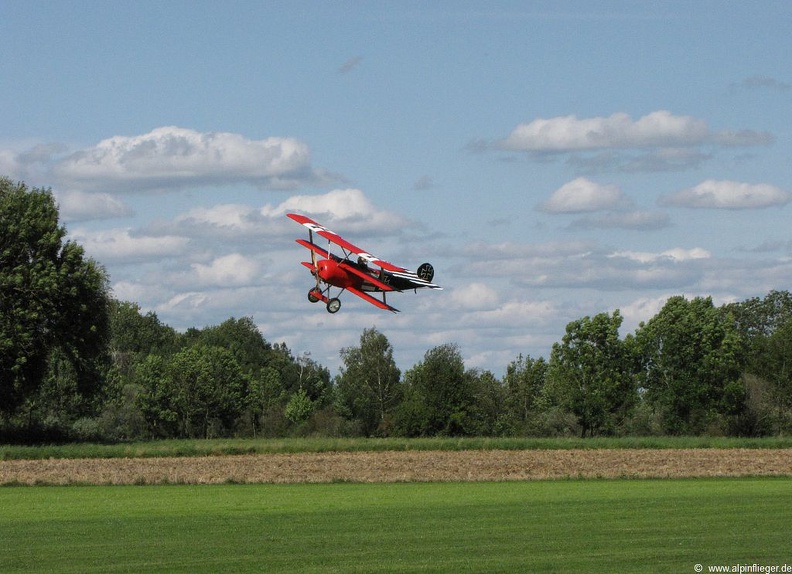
(404, 466)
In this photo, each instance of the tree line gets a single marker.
(76, 364)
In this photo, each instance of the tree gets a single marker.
(524, 381)
(299, 407)
(52, 298)
(438, 395)
(369, 384)
(198, 393)
(243, 339)
(134, 335)
(691, 358)
(772, 361)
(589, 374)
(755, 318)
(485, 416)
(300, 373)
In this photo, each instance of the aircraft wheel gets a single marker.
(312, 296)
(333, 305)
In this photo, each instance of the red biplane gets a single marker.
(355, 275)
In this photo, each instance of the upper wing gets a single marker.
(343, 243)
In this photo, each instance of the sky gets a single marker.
(552, 160)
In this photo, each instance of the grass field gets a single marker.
(544, 526)
(201, 447)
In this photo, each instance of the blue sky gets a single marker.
(552, 160)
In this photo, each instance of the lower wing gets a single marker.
(373, 300)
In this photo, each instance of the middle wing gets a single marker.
(343, 243)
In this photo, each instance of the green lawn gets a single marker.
(552, 526)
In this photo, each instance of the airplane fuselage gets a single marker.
(332, 273)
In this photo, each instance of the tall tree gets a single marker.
(756, 318)
(485, 414)
(589, 374)
(438, 395)
(691, 360)
(133, 335)
(51, 298)
(523, 384)
(766, 325)
(243, 339)
(369, 384)
(771, 359)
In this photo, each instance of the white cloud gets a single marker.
(728, 195)
(230, 220)
(515, 312)
(131, 291)
(82, 206)
(475, 296)
(344, 210)
(120, 245)
(484, 254)
(349, 206)
(583, 195)
(585, 266)
(170, 157)
(9, 163)
(637, 220)
(183, 301)
(660, 129)
(677, 254)
(232, 270)
(641, 310)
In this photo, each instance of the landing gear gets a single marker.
(316, 295)
(333, 305)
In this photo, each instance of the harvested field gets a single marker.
(404, 466)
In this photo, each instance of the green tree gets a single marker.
(133, 331)
(52, 298)
(198, 393)
(266, 397)
(155, 398)
(691, 359)
(302, 372)
(766, 326)
(243, 339)
(589, 374)
(756, 318)
(771, 359)
(438, 395)
(369, 384)
(299, 407)
(523, 384)
(485, 415)
(134, 336)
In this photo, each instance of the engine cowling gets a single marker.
(330, 272)
(425, 272)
